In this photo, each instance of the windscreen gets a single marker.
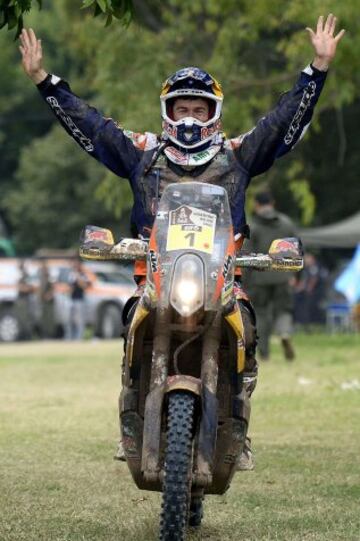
(192, 217)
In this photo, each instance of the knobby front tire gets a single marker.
(177, 467)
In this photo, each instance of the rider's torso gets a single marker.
(223, 170)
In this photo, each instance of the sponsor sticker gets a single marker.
(207, 131)
(76, 133)
(201, 155)
(171, 130)
(153, 261)
(177, 155)
(227, 293)
(227, 265)
(309, 92)
(190, 227)
(98, 235)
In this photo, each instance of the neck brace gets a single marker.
(192, 159)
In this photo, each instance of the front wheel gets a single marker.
(177, 467)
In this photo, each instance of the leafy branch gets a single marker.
(12, 11)
(120, 9)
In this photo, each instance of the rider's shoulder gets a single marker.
(142, 141)
(236, 142)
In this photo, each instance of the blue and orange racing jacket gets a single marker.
(149, 161)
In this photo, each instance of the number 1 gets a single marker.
(191, 237)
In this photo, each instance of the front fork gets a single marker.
(154, 400)
(205, 388)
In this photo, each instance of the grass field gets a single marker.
(58, 433)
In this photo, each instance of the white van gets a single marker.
(110, 287)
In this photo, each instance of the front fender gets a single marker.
(183, 383)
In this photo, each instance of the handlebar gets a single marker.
(134, 249)
(125, 250)
(266, 262)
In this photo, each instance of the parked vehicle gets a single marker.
(6, 246)
(110, 287)
(183, 407)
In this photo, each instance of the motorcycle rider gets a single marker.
(192, 145)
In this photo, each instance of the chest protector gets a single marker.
(223, 169)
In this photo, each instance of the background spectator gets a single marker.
(46, 298)
(75, 325)
(24, 306)
(270, 292)
(310, 290)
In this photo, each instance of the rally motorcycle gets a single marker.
(183, 408)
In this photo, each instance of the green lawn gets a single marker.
(58, 433)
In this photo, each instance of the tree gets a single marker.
(54, 198)
(12, 11)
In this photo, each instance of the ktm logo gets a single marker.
(153, 260)
(227, 265)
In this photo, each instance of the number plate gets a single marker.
(190, 227)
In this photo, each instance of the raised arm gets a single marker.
(100, 137)
(279, 131)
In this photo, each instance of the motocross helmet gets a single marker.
(189, 132)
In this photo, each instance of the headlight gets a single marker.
(187, 288)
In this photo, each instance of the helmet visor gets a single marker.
(199, 78)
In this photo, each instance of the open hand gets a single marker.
(31, 52)
(324, 41)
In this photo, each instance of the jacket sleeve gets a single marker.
(278, 132)
(102, 138)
